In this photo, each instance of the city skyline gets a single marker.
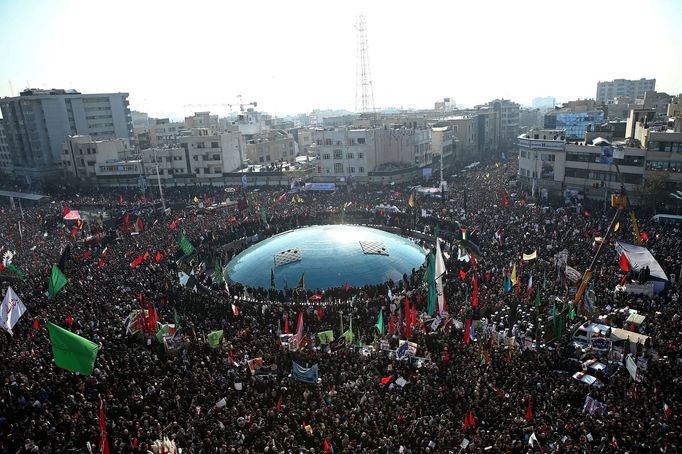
(293, 58)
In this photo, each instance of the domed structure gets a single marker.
(329, 255)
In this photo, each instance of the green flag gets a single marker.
(12, 267)
(165, 329)
(348, 334)
(571, 314)
(176, 319)
(214, 338)
(263, 215)
(218, 274)
(482, 360)
(430, 277)
(71, 351)
(325, 337)
(186, 246)
(380, 322)
(57, 281)
(341, 323)
(537, 298)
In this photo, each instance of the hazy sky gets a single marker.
(294, 56)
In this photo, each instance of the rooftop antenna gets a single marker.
(364, 93)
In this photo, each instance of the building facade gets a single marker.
(574, 123)
(507, 120)
(6, 166)
(269, 148)
(102, 162)
(633, 89)
(38, 121)
(356, 153)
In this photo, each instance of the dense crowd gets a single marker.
(486, 395)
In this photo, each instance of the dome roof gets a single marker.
(329, 255)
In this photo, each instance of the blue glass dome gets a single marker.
(329, 255)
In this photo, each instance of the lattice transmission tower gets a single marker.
(364, 93)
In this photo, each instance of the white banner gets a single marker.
(12, 308)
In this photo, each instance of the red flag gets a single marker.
(474, 300)
(505, 201)
(320, 314)
(101, 262)
(347, 287)
(465, 426)
(391, 325)
(174, 224)
(467, 330)
(74, 230)
(327, 448)
(229, 352)
(414, 316)
(282, 197)
(645, 237)
(157, 257)
(529, 410)
(278, 407)
(623, 262)
(462, 274)
(35, 324)
(139, 225)
(472, 421)
(103, 442)
(69, 320)
(407, 318)
(286, 323)
(386, 380)
(498, 391)
(66, 211)
(145, 257)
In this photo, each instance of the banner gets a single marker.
(12, 308)
(325, 337)
(631, 367)
(306, 375)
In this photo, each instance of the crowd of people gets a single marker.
(507, 387)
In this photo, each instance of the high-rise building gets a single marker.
(508, 120)
(634, 89)
(38, 121)
(5, 157)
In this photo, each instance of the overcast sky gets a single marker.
(295, 56)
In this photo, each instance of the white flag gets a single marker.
(440, 271)
(12, 308)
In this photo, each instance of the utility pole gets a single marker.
(158, 180)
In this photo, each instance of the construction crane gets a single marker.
(620, 203)
(241, 105)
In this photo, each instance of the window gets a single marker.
(261, 159)
(547, 157)
(216, 157)
(349, 155)
(214, 145)
(326, 156)
(267, 158)
(197, 171)
(338, 154)
(361, 140)
(361, 169)
(351, 169)
(361, 155)
(338, 167)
